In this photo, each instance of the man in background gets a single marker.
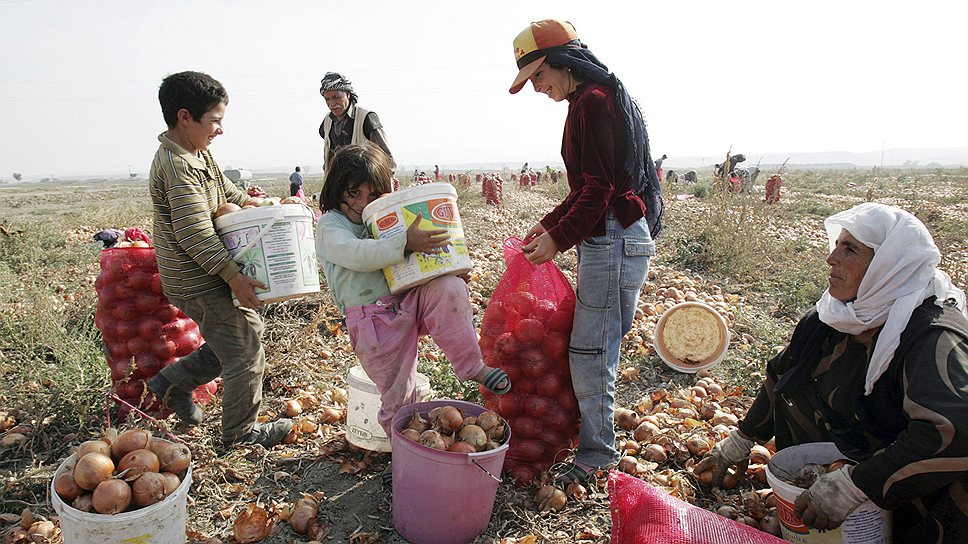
(295, 182)
(347, 123)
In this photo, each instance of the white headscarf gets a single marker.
(902, 274)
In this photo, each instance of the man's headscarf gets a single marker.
(638, 161)
(902, 274)
(334, 81)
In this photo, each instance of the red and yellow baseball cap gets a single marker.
(533, 44)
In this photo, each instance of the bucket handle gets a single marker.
(473, 460)
(278, 215)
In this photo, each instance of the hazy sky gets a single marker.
(79, 78)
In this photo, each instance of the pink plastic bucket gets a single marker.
(442, 497)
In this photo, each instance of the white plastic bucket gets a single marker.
(391, 215)
(692, 337)
(161, 523)
(868, 524)
(363, 405)
(275, 245)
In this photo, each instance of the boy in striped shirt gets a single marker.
(197, 272)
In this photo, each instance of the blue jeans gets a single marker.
(611, 271)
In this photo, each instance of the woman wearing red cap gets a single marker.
(608, 165)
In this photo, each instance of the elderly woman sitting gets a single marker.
(880, 368)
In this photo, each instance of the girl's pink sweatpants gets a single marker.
(384, 338)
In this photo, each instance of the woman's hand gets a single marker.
(535, 231)
(425, 241)
(732, 450)
(541, 249)
(829, 500)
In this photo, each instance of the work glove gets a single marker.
(829, 500)
(730, 451)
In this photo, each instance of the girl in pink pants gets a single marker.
(384, 327)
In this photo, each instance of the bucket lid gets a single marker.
(691, 329)
(263, 213)
(417, 193)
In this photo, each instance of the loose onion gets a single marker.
(138, 462)
(475, 435)
(626, 419)
(432, 439)
(66, 488)
(462, 447)
(92, 469)
(83, 503)
(111, 496)
(174, 457)
(550, 497)
(418, 423)
(128, 441)
(93, 446)
(487, 420)
(450, 419)
(171, 482)
(149, 488)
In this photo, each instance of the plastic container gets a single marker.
(275, 245)
(868, 524)
(363, 405)
(442, 497)
(391, 215)
(161, 523)
(698, 328)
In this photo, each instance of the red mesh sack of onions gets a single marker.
(525, 331)
(142, 331)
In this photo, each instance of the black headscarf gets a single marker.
(585, 65)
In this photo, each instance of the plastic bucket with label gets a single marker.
(868, 524)
(436, 203)
(161, 523)
(443, 497)
(275, 245)
(363, 404)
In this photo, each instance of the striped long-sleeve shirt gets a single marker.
(910, 436)
(185, 191)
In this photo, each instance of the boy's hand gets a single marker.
(425, 241)
(243, 287)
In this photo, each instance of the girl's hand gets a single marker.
(540, 250)
(535, 231)
(425, 241)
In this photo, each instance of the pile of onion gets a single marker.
(130, 471)
(446, 428)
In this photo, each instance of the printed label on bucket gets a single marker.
(284, 258)
(435, 213)
(865, 525)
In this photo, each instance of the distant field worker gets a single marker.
(347, 123)
(295, 182)
(607, 162)
(658, 165)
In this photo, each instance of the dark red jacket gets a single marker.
(593, 148)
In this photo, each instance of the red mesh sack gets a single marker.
(142, 331)
(643, 513)
(525, 332)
